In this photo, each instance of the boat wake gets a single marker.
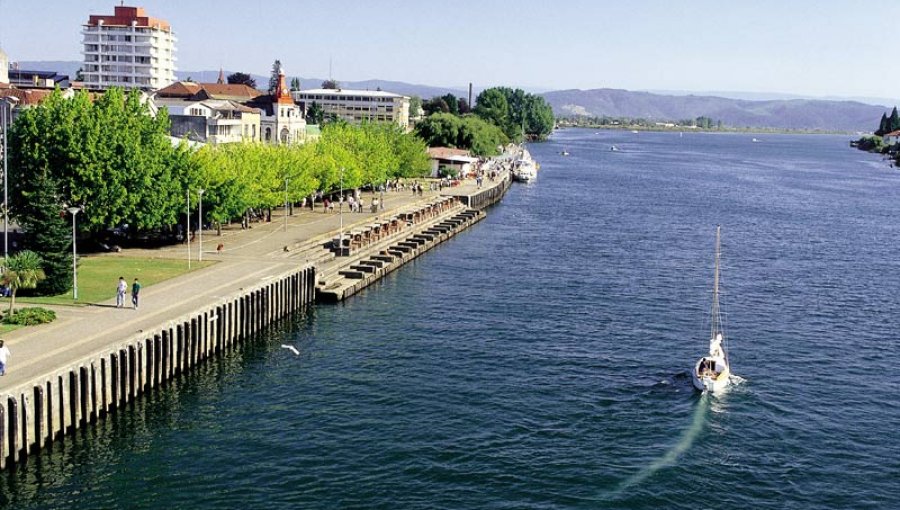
(668, 459)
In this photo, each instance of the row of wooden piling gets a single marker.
(56, 405)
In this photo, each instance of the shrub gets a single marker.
(30, 316)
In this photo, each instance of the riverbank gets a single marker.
(98, 358)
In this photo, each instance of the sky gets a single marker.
(811, 48)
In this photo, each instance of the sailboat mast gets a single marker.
(715, 325)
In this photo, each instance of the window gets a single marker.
(268, 134)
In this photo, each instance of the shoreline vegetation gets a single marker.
(885, 140)
(701, 125)
(500, 115)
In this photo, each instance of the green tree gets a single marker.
(295, 84)
(492, 106)
(452, 103)
(415, 106)
(110, 155)
(894, 121)
(331, 84)
(23, 271)
(315, 114)
(241, 79)
(435, 105)
(273, 78)
(516, 112)
(469, 132)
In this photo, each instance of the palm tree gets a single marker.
(23, 271)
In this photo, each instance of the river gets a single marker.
(540, 359)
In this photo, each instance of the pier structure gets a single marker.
(98, 360)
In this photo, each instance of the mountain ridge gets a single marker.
(789, 113)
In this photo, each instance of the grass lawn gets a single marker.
(6, 328)
(98, 276)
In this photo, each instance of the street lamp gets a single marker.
(187, 231)
(285, 203)
(200, 217)
(341, 214)
(8, 103)
(74, 212)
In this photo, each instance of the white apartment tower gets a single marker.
(128, 49)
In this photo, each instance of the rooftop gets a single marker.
(127, 16)
(199, 91)
(348, 92)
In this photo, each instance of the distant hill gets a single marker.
(408, 89)
(842, 115)
(780, 114)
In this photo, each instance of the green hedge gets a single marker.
(30, 316)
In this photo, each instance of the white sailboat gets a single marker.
(712, 372)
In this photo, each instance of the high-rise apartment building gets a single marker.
(128, 49)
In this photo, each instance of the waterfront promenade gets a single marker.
(250, 256)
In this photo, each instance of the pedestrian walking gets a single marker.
(4, 357)
(135, 293)
(120, 292)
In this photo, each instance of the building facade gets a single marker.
(282, 121)
(356, 106)
(210, 112)
(128, 49)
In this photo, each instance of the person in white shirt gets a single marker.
(4, 357)
(120, 292)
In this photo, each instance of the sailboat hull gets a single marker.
(710, 382)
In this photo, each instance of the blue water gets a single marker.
(539, 360)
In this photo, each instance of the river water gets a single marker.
(539, 360)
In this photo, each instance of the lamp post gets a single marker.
(341, 213)
(8, 103)
(200, 220)
(285, 203)
(187, 231)
(74, 212)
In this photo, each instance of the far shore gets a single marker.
(683, 129)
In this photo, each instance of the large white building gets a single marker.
(356, 106)
(128, 49)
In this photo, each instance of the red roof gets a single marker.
(892, 133)
(191, 90)
(27, 97)
(445, 152)
(124, 16)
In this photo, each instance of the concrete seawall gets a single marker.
(34, 415)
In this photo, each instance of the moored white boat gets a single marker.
(712, 372)
(524, 168)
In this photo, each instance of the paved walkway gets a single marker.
(248, 257)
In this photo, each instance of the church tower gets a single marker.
(289, 123)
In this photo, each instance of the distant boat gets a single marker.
(614, 149)
(755, 140)
(711, 372)
(635, 131)
(564, 152)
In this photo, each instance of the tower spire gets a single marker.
(221, 79)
